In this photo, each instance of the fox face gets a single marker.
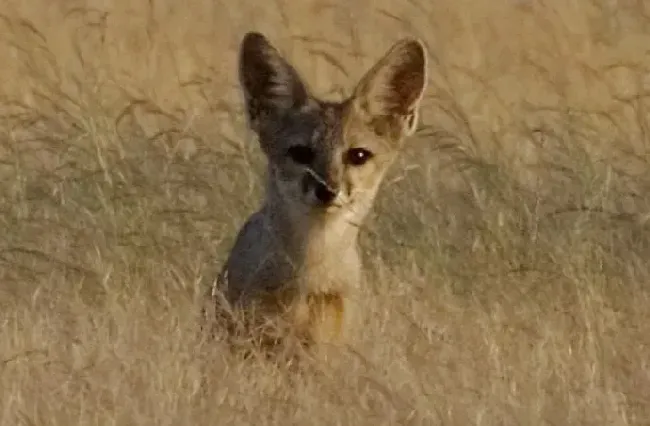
(330, 157)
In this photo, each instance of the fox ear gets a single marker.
(390, 92)
(271, 86)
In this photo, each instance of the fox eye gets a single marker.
(358, 156)
(301, 154)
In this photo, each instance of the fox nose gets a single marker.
(324, 193)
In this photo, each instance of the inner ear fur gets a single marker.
(270, 84)
(391, 91)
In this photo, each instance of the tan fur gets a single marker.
(296, 262)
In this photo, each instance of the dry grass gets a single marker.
(508, 253)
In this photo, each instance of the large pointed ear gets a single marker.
(390, 92)
(270, 84)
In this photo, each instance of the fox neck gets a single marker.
(308, 236)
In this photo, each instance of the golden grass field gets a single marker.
(508, 253)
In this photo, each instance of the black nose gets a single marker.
(324, 194)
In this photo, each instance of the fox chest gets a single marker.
(326, 290)
(317, 297)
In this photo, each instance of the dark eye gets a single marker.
(357, 156)
(301, 154)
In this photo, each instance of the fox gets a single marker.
(295, 266)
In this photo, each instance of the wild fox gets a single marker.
(296, 260)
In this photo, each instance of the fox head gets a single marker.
(330, 157)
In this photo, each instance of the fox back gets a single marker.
(296, 259)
